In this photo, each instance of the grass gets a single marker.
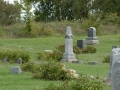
(24, 81)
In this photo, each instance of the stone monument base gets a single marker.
(68, 60)
(92, 42)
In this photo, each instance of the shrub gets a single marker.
(89, 49)
(83, 83)
(12, 56)
(28, 67)
(52, 71)
(56, 56)
(106, 59)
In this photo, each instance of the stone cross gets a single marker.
(68, 55)
(92, 38)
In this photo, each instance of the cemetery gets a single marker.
(18, 73)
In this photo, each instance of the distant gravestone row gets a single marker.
(19, 60)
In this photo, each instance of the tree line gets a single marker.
(51, 10)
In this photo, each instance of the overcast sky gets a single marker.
(11, 1)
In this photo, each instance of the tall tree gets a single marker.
(9, 13)
(106, 6)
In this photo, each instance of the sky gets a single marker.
(10, 1)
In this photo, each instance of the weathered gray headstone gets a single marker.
(114, 73)
(78, 61)
(15, 70)
(5, 60)
(81, 43)
(92, 38)
(93, 62)
(19, 60)
(115, 47)
(68, 55)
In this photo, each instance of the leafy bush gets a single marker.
(12, 56)
(52, 71)
(56, 55)
(83, 83)
(89, 49)
(28, 67)
(106, 59)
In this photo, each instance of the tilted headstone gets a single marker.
(15, 70)
(68, 55)
(19, 60)
(92, 38)
(114, 73)
(81, 43)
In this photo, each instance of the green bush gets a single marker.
(28, 67)
(52, 71)
(106, 59)
(83, 83)
(89, 49)
(12, 56)
(47, 56)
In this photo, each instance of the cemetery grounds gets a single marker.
(24, 81)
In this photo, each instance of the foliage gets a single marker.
(25, 8)
(47, 56)
(83, 83)
(89, 49)
(52, 71)
(106, 59)
(12, 56)
(28, 67)
(9, 13)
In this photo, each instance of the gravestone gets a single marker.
(92, 38)
(114, 73)
(78, 61)
(81, 43)
(5, 60)
(19, 60)
(93, 63)
(68, 55)
(115, 47)
(15, 70)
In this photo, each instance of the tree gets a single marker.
(9, 13)
(106, 6)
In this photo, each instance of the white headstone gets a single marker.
(68, 55)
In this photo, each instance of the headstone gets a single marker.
(114, 73)
(48, 51)
(78, 61)
(112, 58)
(92, 38)
(68, 55)
(5, 60)
(15, 70)
(81, 43)
(115, 47)
(19, 60)
(93, 62)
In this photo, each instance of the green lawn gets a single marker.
(24, 81)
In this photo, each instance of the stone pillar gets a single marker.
(68, 55)
(92, 38)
